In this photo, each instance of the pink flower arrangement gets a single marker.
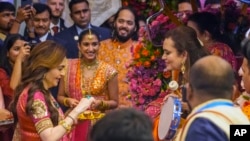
(158, 28)
(148, 7)
(146, 75)
(143, 7)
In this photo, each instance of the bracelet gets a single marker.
(65, 102)
(65, 125)
(103, 105)
(18, 21)
(74, 121)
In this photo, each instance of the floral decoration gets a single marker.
(147, 7)
(158, 28)
(146, 75)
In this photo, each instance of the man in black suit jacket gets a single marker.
(39, 29)
(57, 23)
(80, 14)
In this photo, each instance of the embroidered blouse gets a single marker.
(30, 126)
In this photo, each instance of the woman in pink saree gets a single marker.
(87, 77)
(38, 115)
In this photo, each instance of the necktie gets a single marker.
(55, 29)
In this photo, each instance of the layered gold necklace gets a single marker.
(87, 81)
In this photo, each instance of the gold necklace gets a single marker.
(89, 66)
(86, 83)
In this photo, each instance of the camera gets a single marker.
(31, 43)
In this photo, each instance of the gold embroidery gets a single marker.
(43, 124)
(91, 115)
(39, 109)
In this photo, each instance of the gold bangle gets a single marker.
(65, 102)
(65, 125)
(103, 105)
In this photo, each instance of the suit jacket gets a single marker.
(1, 43)
(70, 34)
(62, 25)
(49, 37)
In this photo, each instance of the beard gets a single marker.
(122, 38)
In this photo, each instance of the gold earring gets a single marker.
(183, 68)
(79, 54)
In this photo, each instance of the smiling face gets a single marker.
(171, 56)
(53, 76)
(89, 47)
(14, 50)
(125, 25)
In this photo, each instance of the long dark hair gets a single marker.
(8, 43)
(44, 57)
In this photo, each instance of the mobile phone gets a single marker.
(25, 2)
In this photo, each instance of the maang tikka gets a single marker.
(90, 35)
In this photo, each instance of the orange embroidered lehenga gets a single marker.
(77, 87)
(118, 55)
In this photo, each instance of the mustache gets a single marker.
(123, 28)
(40, 27)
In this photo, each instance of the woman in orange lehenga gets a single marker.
(86, 77)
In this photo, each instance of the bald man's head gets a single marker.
(212, 75)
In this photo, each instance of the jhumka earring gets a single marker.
(90, 36)
(79, 54)
(183, 68)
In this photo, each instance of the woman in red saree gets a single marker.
(13, 53)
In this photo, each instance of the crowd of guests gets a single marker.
(69, 83)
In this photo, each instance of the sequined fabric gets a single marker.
(118, 55)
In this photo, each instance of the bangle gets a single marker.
(65, 102)
(103, 105)
(65, 125)
(74, 121)
(18, 21)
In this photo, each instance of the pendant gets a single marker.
(118, 61)
(88, 96)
